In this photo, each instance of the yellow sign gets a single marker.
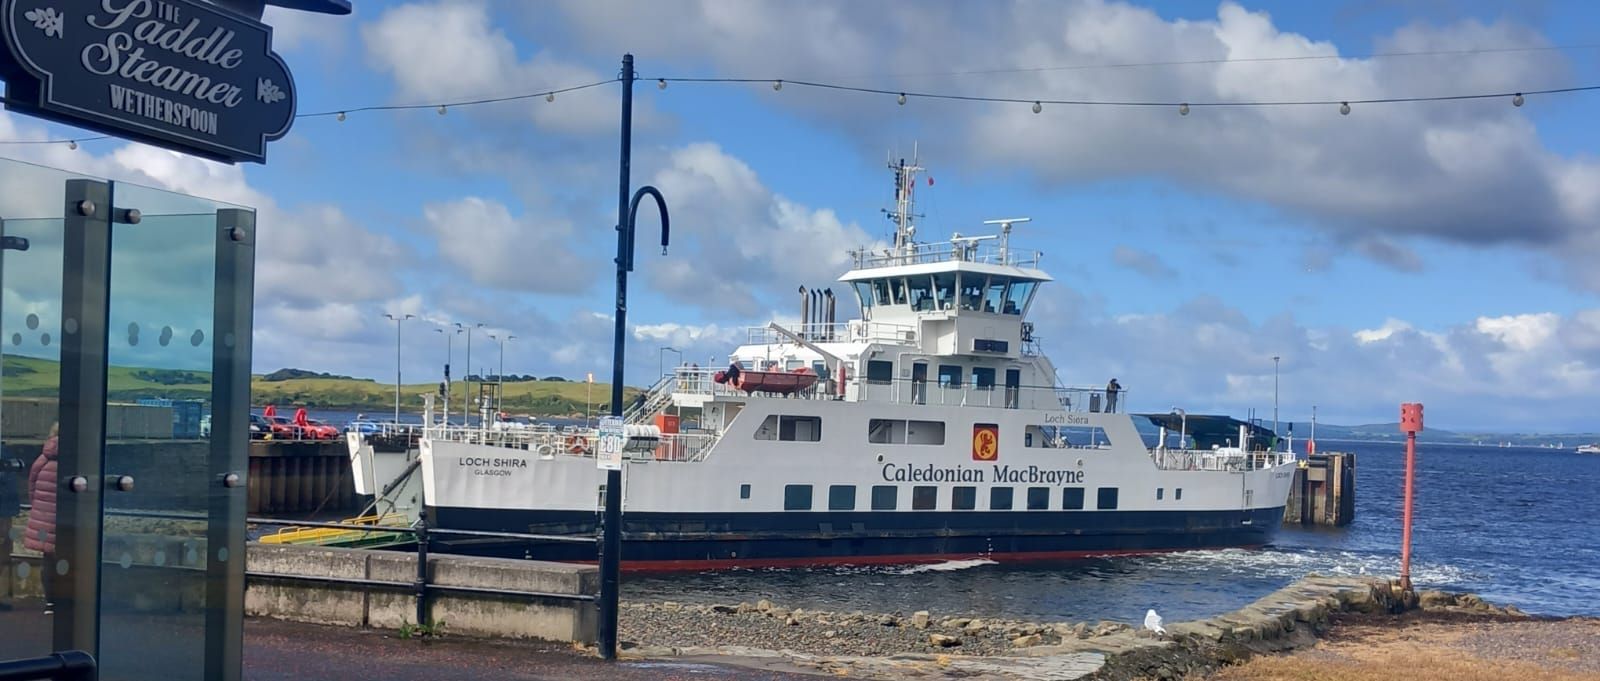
(985, 442)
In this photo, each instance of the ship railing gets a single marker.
(547, 442)
(853, 331)
(700, 382)
(1230, 459)
(922, 253)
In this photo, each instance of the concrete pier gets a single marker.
(300, 478)
(1324, 491)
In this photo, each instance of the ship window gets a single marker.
(963, 498)
(944, 288)
(901, 432)
(1107, 500)
(790, 428)
(949, 376)
(880, 292)
(841, 497)
(921, 289)
(972, 290)
(797, 497)
(863, 293)
(1159, 492)
(995, 299)
(999, 498)
(1017, 296)
(924, 498)
(983, 378)
(1038, 498)
(1072, 499)
(880, 371)
(899, 286)
(1177, 494)
(1061, 437)
(744, 491)
(883, 497)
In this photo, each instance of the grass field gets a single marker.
(34, 377)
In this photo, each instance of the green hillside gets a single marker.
(34, 377)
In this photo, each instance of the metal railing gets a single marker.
(920, 253)
(852, 331)
(1230, 459)
(547, 441)
(67, 665)
(700, 382)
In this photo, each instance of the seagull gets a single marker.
(1152, 621)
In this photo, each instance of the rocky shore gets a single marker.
(939, 645)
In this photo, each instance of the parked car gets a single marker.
(260, 429)
(284, 429)
(318, 430)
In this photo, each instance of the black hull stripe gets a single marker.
(736, 537)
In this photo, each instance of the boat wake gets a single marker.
(946, 566)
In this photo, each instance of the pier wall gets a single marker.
(1324, 491)
(162, 574)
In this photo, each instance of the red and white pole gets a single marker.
(1410, 424)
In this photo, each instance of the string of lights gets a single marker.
(903, 96)
(1183, 107)
(342, 114)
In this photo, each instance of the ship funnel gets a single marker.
(805, 308)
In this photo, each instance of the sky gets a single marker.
(1443, 252)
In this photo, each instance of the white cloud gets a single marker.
(494, 248)
(1142, 261)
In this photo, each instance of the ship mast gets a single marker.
(905, 184)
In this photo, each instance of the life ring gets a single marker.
(576, 444)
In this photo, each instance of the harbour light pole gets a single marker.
(500, 387)
(397, 321)
(466, 378)
(627, 210)
(449, 356)
(1275, 400)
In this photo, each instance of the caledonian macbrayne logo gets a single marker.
(985, 442)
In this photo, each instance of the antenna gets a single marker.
(905, 183)
(1005, 233)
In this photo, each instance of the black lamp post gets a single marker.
(627, 210)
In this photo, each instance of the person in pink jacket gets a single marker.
(41, 532)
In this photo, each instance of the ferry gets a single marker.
(931, 427)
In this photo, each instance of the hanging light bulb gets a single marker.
(72, 144)
(901, 99)
(340, 117)
(661, 83)
(1037, 107)
(777, 85)
(550, 97)
(1344, 108)
(1183, 109)
(441, 109)
(1517, 100)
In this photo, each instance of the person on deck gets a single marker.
(1112, 389)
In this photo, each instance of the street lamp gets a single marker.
(1275, 400)
(500, 376)
(449, 356)
(397, 321)
(466, 378)
(661, 367)
(627, 210)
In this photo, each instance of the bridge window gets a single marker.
(880, 371)
(1107, 500)
(921, 289)
(797, 497)
(949, 376)
(994, 300)
(999, 498)
(924, 498)
(898, 432)
(983, 378)
(1072, 499)
(972, 290)
(790, 428)
(883, 497)
(1017, 296)
(841, 497)
(963, 498)
(1038, 498)
(863, 293)
(944, 288)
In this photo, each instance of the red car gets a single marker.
(318, 430)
